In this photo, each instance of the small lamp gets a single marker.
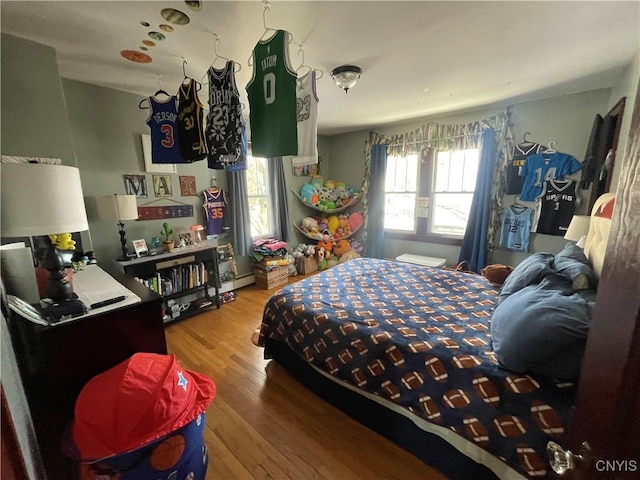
(40, 199)
(578, 229)
(119, 207)
(346, 76)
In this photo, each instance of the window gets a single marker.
(401, 192)
(431, 193)
(258, 196)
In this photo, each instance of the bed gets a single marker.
(409, 351)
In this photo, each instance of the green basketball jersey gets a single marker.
(272, 99)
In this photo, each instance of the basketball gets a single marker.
(168, 453)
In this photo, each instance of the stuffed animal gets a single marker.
(298, 252)
(309, 194)
(332, 224)
(330, 184)
(326, 244)
(317, 182)
(356, 245)
(63, 241)
(350, 255)
(355, 221)
(309, 225)
(323, 227)
(322, 262)
(340, 247)
(496, 273)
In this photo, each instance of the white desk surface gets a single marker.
(93, 285)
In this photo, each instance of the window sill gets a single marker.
(414, 237)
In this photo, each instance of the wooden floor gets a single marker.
(263, 423)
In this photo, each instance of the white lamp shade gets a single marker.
(40, 199)
(578, 228)
(117, 207)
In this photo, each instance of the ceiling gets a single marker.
(418, 58)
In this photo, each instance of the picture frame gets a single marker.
(188, 185)
(162, 186)
(147, 154)
(185, 237)
(140, 246)
(135, 185)
(307, 170)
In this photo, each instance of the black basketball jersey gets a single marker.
(514, 181)
(189, 122)
(224, 120)
(555, 207)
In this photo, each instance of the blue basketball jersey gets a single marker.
(543, 167)
(516, 228)
(165, 147)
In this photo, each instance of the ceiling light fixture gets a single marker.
(346, 76)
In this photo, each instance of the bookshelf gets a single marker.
(182, 277)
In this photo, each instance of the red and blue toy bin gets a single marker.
(143, 419)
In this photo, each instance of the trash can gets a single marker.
(143, 419)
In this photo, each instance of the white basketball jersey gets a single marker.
(307, 112)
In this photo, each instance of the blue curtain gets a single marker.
(374, 246)
(475, 243)
(239, 210)
(278, 197)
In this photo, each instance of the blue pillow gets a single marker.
(543, 328)
(528, 272)
(572, 264)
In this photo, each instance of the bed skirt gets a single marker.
(428, 447)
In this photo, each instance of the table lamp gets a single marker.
(119, 207)
(40, 199)
(578, 229)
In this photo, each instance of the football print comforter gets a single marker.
(420, 337)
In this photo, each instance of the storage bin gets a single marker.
(307, 265)
(143, 419)
(268, 279)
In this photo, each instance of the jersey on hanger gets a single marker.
(555, 207)
(224, 120)
(241, 164)
(215, 208)
(165, 146)
(543, 167)
(516, 228)
(190, 125)
(307, 107)
(272, 99)
(514, 182)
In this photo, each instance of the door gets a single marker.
(607, 412)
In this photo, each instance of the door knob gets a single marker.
(562, 460)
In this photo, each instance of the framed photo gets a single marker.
(188, 186)
(149, 166)
(185, 239)
(140, 247)
(307, 170)
(135, 185)
(162, 185)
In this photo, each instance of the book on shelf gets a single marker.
(201, 302)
